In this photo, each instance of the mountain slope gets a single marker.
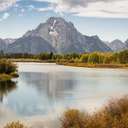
(117, 45)
(64, 37)
(3, 45)
(95, 44)
(32, 45)
(126, 43)
(9, 41)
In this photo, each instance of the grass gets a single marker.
(14, 75)
(8, 70)
(74, 64)
(95, 65)
(32, 60)
(5, 77)
(7, 66)
(8, 77)
(114, 115)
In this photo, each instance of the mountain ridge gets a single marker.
(59, 36)
(65, 38)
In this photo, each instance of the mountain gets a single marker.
(93, 43)
(9, 41)
(117, 45)
(3, 45)
(32, 45)
(126, 43)
(59, 36)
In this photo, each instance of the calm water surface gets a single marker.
(45, 88)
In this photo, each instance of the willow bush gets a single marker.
(15, 125)
(7, 67)
(114, 115)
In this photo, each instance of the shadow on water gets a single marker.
(5, 88)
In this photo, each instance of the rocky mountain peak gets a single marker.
(58, 23)
(117, 45)
(117, 41)
(61, 37)
(58, 19)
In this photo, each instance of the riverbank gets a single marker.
(5, 77)
(8, 77)
(8, 70)
(125, 66)
(32, 60)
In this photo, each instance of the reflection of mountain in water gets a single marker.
(51, 84)
(5, 88)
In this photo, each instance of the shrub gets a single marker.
(7, 67)
(114, 115)
(73, 119)
(14, 74)
(117, 108)
(15, 125)
(5, 77)
(45, 56)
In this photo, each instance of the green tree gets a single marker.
(44, 56)
(51, 56)
(123, 57)
(84, 58)
(93, 58)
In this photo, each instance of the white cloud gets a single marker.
(82, 3)
(44, 9)
(5, 16)
(4, 4)
(90, 8)
(94, 8)
(51, 1)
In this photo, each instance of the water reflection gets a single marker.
(39, 93)
(5, 88)
(50, 84)
(44, 89)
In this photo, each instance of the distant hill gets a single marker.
(117, 45)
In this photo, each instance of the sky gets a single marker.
(106, 18)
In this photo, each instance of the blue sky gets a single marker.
(106, 18)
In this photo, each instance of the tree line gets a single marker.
(91, 58)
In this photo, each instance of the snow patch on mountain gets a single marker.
(54, 34)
